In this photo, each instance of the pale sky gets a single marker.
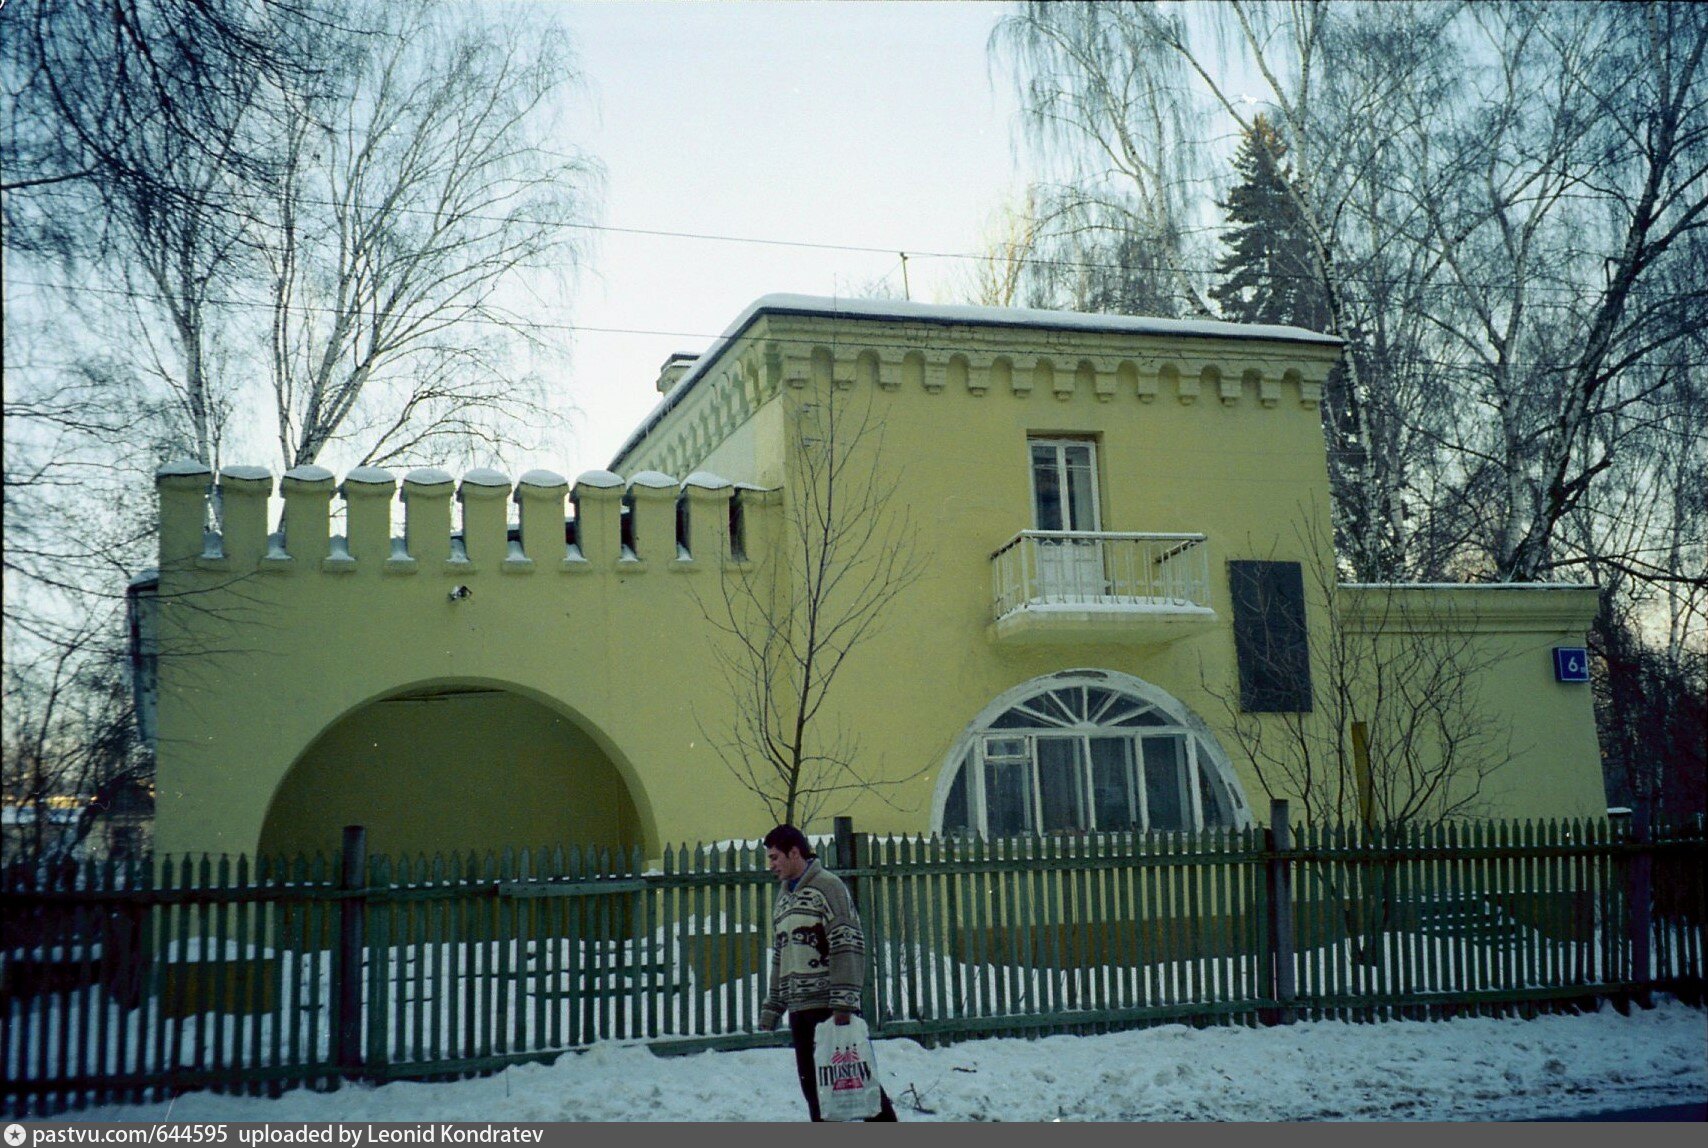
(866, 124)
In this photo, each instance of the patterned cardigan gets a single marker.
(817, 951)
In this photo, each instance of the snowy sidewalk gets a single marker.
(1471, 1069)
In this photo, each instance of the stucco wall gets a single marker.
(262, 654)
(1536, 734)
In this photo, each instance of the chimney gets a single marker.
(674, 368)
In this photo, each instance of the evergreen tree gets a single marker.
(1270, 274)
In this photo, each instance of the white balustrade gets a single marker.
(1100, 569)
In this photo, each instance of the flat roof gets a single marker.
(953, 314)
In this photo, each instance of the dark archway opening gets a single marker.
(450, 768)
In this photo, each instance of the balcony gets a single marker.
(1055, 586)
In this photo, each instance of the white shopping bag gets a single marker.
(847, 1073)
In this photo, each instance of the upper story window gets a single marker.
(1064, 498)
(1090, 751)
(1064, 484)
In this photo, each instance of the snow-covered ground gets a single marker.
(1468, 1069)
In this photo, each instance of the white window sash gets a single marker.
(1192, 782)
(1059, 448)
(1187, 771)
(1087, 790)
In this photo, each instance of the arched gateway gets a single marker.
(449, 767)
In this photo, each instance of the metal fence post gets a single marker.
(347, 969)
(1281, 911)
(1639, 877)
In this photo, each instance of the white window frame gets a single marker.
(1060, 444)
(1201, 752)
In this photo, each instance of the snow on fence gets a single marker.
(139, 982)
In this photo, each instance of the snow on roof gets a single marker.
(903, 310)
(653, 479)
(309, 473)
(180, 466)
(706, 480)
(485, 476)
(246, 473)
(899, 310)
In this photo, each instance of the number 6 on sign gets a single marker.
(1571, 664)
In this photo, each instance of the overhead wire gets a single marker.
(1056, 262)
(709, 337)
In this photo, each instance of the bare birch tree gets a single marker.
(1569, 220)
(135, 131)
(998, 276)
(1107, 111)
(416, 210)
(1336, 123)
(1644, 542)
(288, 221)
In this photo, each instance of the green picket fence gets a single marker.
(135, 983)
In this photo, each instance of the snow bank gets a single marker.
(1468, 1069)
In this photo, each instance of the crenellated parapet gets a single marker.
(1227, 377)
(600, 523)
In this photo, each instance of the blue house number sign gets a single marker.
(1571, 664)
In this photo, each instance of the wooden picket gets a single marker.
(133, 982)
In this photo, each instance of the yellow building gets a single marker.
(1100, 594)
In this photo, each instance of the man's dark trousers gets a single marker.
(802, 1026)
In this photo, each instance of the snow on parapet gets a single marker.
(428, 476)
(542, 479)
(587, 525)
(370, 476)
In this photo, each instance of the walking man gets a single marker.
(817, 954)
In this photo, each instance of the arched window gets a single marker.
(1089, 751)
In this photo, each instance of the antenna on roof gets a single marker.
(906, 292)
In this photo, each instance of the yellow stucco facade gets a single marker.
(469, 689)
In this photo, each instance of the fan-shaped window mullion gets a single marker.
(1064, 707)
(1147, 718)
(1041, 712)
(1121, 710)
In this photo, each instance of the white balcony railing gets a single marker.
(1081, 571)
